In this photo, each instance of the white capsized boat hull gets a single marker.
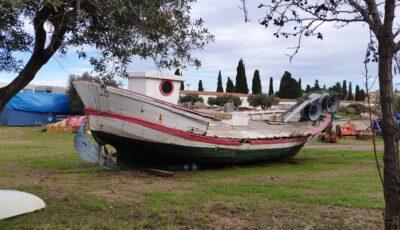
(15, 203)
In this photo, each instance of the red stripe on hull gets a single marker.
(192, 136)
(277, 141)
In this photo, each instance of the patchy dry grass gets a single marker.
(321, 190)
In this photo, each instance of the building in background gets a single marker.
(31, 88)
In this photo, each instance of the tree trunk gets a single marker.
(40, 54)
(24, 77)
(391, 184)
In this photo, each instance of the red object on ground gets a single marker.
(348, 129)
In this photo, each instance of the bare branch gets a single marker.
(245, 12)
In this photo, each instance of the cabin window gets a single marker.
(166, 87)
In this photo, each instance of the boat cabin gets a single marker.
(161, 86)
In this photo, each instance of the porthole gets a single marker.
(166, 87)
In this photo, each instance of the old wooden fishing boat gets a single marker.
(146, 123)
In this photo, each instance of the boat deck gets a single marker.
(260, 129)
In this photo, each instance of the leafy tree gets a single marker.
(241, 79)
(117, 29)
(256, 86)
(337, 88)
(230, 88)
(75, 101)
(219, 83)
(289, 87)
(344, 90)
(262, 100)
(300, 84)
(222, 100)
(192, 98)
(308, 88)
(350, 96)
(316, 86)
(200, 87)
(271, 87)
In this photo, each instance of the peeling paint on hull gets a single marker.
(145, 151)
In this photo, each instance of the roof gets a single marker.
(155, 76)
(40, 102)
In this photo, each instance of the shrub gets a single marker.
(222, 100)
(192, 98)
(262, 100)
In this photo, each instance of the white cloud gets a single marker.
(338, 57)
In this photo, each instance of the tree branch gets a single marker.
(364, 13)
(40, 54)
(40, 32)
(374, 12)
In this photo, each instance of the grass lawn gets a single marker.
(322, 190)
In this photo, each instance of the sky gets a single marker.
(339, 56)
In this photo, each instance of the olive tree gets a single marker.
(118, 30)
(304, 18)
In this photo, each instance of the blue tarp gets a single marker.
(40, 102)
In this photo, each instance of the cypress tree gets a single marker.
(362, 95)
(200, 88)
(350, 93)
(344, 90)
(256, 86)
(241, 80)
(178, 72)
(357, 93)
(271, 86)
(289, 87)
(230, 88)
(300, 84)
(316, 85)
(219, 83)
(338, 88)
(308, 88)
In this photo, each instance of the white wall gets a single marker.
(151, 87)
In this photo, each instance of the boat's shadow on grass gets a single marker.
(164, 169)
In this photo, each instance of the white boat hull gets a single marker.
(142, 127)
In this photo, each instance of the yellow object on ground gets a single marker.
(70, 124)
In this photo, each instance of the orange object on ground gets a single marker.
(348, 129)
